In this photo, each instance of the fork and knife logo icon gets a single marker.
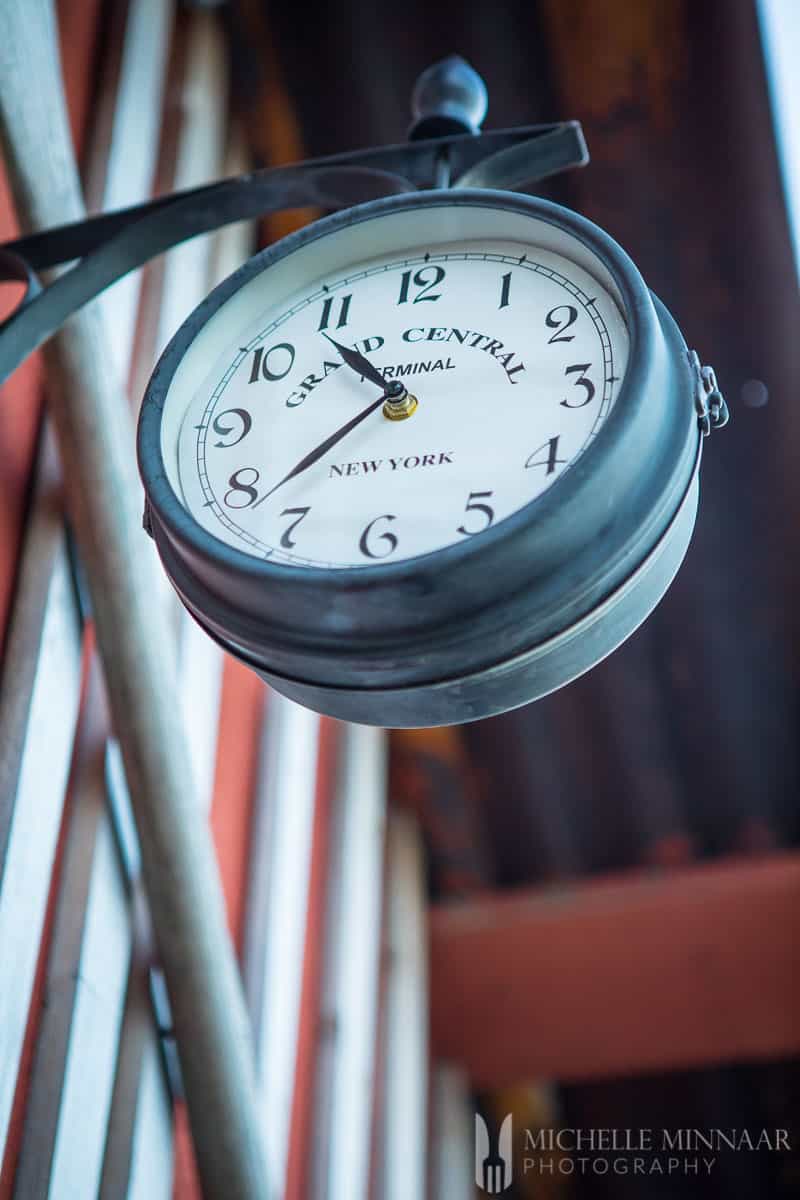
(494, 1168)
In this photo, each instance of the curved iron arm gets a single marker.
(106, 247)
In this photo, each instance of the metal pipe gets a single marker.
(95, 439)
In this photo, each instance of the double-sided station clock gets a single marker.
(429, 458)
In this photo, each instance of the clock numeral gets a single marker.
(272, 364)
(286, 538)
(551, 461)
(505, 291)
(581, 381)
(242, 417)
(327, 308)
(422, 279)
(561, 323)
(386, 536)
(241, 487)
(472, 506)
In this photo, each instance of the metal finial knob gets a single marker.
(449, 97)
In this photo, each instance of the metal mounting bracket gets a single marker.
(445, 147)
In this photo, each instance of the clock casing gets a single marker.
(496, 620)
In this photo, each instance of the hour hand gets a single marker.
(358, 363)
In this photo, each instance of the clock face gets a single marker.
(513, 350)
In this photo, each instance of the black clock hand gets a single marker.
(358, 362)
(323, 448)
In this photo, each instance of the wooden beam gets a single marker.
(621, 976)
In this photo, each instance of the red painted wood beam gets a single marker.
(621, 976)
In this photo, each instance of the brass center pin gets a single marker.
(399, 403)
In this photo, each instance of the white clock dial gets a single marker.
(514, 353)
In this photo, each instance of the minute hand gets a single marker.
(358, 362)
(323, 448)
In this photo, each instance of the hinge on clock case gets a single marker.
(712, 411)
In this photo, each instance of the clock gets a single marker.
(426, 460)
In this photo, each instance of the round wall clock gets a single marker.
(428, 459)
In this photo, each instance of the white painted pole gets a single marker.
(277, 909)
(405, 1070)
(349, 1005)
(95, 438)
(452, 1144)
